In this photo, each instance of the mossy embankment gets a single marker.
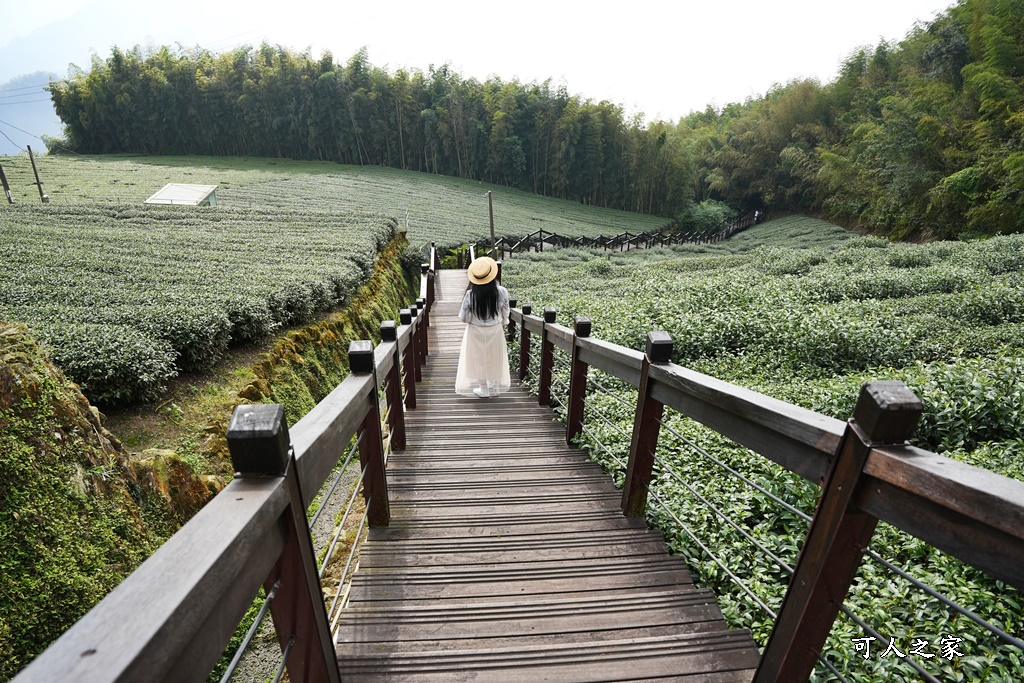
(79, 511)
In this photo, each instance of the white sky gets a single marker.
(664, 59)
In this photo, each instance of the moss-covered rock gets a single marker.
(75, 515)
(306, 364)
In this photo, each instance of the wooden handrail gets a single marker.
(970, 513)
(171, 618)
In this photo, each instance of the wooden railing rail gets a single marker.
(624, 241)
(171, 618)
(865, 468)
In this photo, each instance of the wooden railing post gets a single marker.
(547, 359)
(886, 413)
(425, 276)
(396, 410)
(415, 344)
(424, 315)
(577, 382)
(645, 429)
(409, 361)
(424, 306)
(371, 445)
(511, 334)
(524, 347)
(259, 445)
(499, 272)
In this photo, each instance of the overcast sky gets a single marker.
(664, 59)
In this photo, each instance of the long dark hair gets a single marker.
(483, 300)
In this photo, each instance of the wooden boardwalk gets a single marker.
(508, 557)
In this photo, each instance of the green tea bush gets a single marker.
(115, 364)
(187, 283)
(810, 325)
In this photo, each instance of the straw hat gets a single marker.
(483, 270)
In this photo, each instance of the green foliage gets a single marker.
(273, 102)
(71, 513)
(912, 139)
(705, 217)
(129, 297)
(810, 323)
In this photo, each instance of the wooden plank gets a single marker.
(970, 513)
(800, 440)
(886, 412)
(561, 336)
(615, 360)
(479, 591)
(510, 557)
(319, 437)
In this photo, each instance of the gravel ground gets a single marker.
(261, 660)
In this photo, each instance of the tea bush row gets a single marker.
(128, 297)
(810, 326)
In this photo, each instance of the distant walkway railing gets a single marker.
(539, 239)
(171, 619)
(864, 467)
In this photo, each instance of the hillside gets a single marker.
(438, 208)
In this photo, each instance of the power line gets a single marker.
(26, 87)
(11, 125)
(21, 130)
(13, 142)
(11, 104)
(21, 94)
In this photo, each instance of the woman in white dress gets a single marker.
(483, 361)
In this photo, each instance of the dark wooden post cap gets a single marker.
(258, 440)
(421, 303)
(549, 314)
(659, 347)
(424, 267)
(887, 412)
(582, 327)
(414, 311)
(360, 357)
(512, 303)
(388, 331)
(405, 316)
(527, 309)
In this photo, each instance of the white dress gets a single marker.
(483, 361)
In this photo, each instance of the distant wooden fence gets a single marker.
(539, 239)
(171, 619)
(864, 466)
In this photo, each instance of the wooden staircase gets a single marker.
(508, 557)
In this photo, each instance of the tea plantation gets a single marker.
(128, 297)
(446, 210)
(807, 313)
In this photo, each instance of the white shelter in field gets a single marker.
(185, 195)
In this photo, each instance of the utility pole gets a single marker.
(490, 210)
(42, 197)
(7, 188)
